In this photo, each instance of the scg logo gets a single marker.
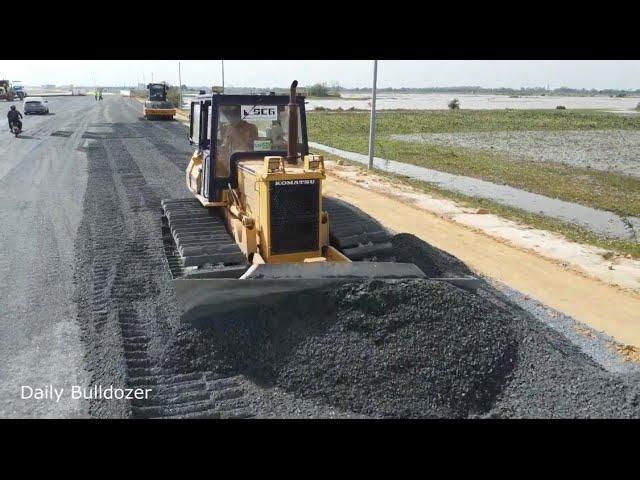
(261, 111)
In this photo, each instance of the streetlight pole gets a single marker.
(372, 126)
(180, 81)
(222, 75)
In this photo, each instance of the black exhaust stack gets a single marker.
(292, 150)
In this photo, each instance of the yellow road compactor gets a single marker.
(157, 107)
(257, 226)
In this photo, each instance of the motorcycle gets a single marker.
(15, 129)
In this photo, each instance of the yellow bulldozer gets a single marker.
(257, 227)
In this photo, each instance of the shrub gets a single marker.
(318, 90)
(561, 107)
(323, 90)
(454, 104)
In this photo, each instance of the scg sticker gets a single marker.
(259, 112)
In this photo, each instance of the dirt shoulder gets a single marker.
(612, 310)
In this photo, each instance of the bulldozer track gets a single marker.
(356, 234)
(199, 237)
(124, 324)
(194, 236)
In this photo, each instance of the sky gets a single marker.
(599, 74)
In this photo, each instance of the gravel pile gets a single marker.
(415, 348)
(409, 349)
(553, 378)
(431, 260)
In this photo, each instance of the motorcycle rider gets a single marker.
(14, 116)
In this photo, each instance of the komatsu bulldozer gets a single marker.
(257, 227)
(157, 107)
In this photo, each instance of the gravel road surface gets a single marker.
(42, 183)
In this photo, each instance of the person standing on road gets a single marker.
(14, 116)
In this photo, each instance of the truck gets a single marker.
(18, 90)
(5, 91)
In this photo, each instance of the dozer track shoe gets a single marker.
(357, 235)
(200, 238)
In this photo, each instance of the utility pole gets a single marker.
(151, 77)
(372, 125)
(222, 75)
(180, 80)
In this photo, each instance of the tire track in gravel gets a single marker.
(124, 286)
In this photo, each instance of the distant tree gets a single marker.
(318, 90)
(454, 104)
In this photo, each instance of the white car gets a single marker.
(36, 105)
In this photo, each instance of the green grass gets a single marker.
(568, 230)
(604, 190)
(442, 121)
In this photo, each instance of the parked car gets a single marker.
(36, 105)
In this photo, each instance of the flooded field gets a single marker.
(607, 150)
(439, 101)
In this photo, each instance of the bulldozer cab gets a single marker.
(228, 129)
(157, 92)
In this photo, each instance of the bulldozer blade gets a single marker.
(206, 298)
(267, 284)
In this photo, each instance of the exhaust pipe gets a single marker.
(292, 148)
